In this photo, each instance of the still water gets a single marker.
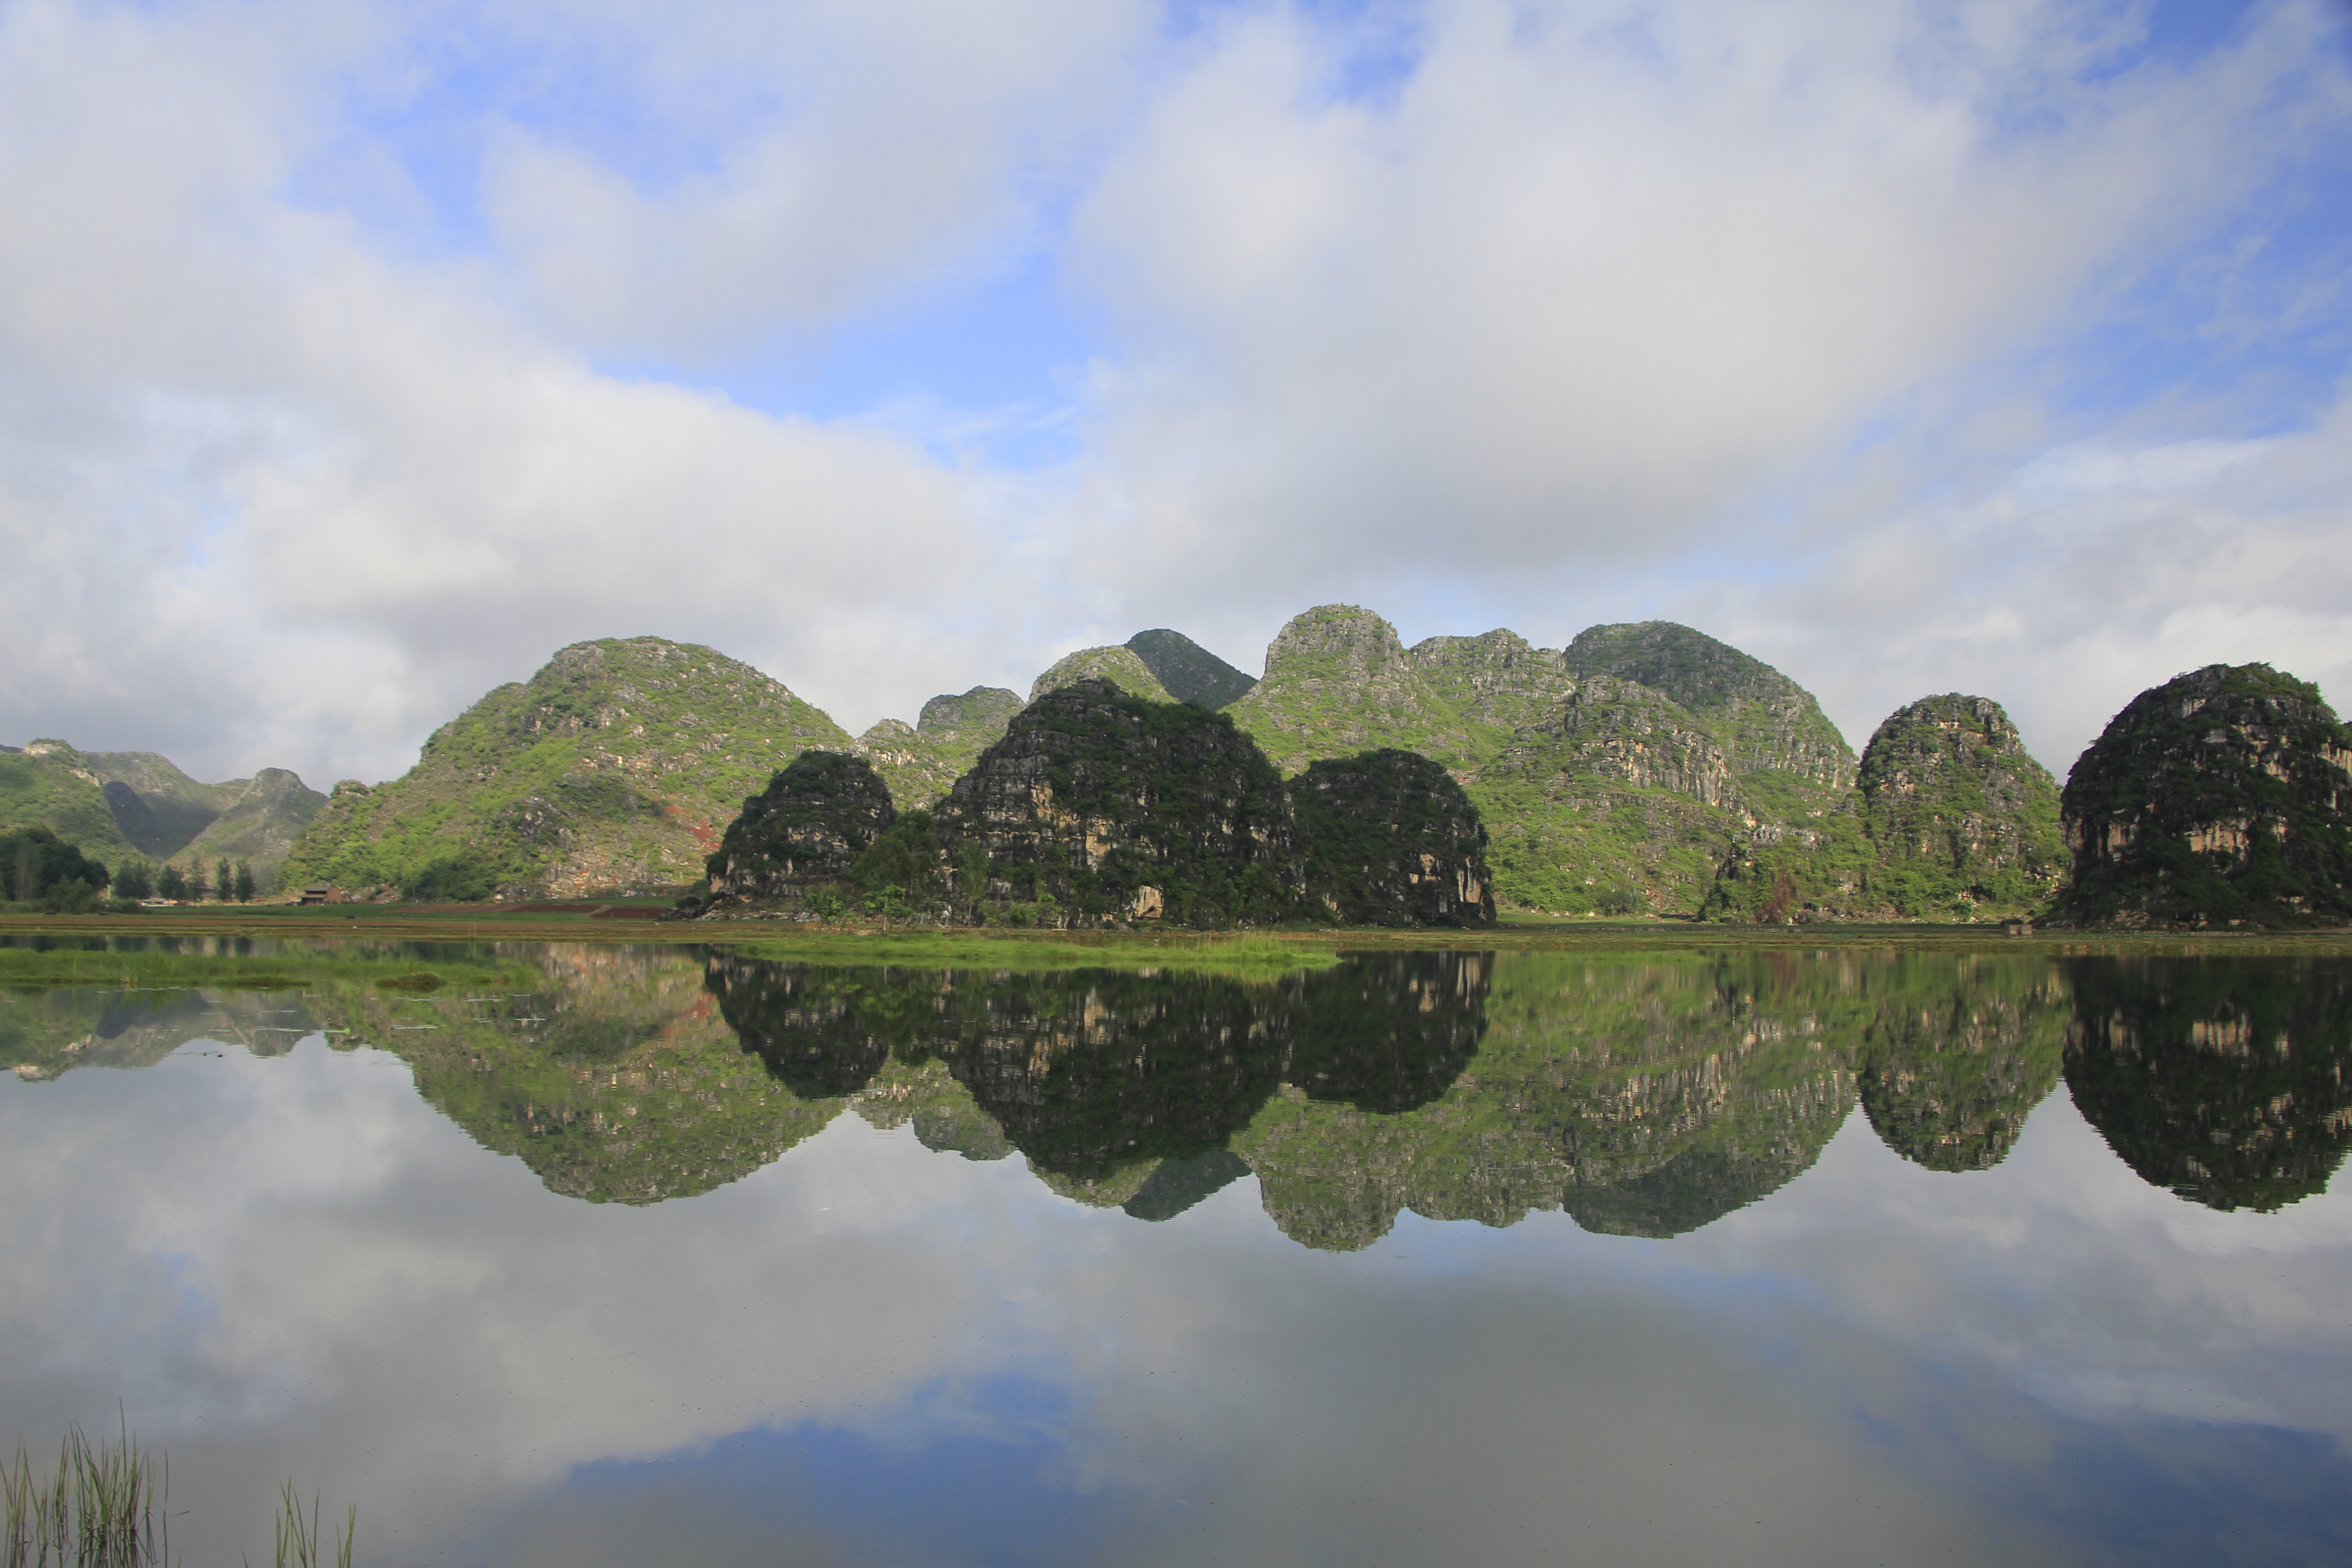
(600, 1254)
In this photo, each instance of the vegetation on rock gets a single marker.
(2222, 796)
(135, 806)
(922, 761)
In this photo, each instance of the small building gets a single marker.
(318, 893)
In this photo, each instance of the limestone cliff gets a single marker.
(1954, 820)
(1391, 840)
(1114, 807)
(1957, 812)
(2222, 796)
(616, 768)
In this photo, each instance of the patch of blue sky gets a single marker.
(989, 1462)
(983, 372)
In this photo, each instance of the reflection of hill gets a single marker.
(1952, 1064)
(1647, 1097)
(48, 1031)
(613, 1079)
(1102, 1078)
(2227, 1081)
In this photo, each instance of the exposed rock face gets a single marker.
(616, 768)
(1951, 798)
(1391, 840)
(1630, 734)
(1189, 672)
(1122, 667)
(2222, 795)
(802, 831)
(1119, 807)
(922, 760)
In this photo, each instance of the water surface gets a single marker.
(607, 1255)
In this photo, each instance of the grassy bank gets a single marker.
(634, 921)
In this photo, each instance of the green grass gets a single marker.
(1239, 955)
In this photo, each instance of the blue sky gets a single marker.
(356, 355)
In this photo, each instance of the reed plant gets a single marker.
(104, 1507)
(298, 1538)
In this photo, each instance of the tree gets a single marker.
(245, 881)
(171, 883)
(224, 880)
(136, 879)
(194, 888)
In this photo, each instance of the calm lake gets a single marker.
(608, 1255)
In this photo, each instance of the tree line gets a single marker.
(41, 869)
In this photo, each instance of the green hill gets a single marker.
(616, 767)
(51, 784)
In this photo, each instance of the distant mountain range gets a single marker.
(117, 806)
(1643, 768)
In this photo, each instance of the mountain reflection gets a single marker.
(2223, 1080)
(1952, 1065)
(1641, 1094)
(1101, 1078)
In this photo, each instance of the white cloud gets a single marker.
(1563, 314)
(1602, 282)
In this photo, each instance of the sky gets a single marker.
(355, 356)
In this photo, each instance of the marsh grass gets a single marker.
(103, 1507)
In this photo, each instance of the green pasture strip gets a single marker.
(1210, 952)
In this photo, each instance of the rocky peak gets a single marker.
(1119, 666)
(982, 711)
(803, 830)
(1189, 672)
